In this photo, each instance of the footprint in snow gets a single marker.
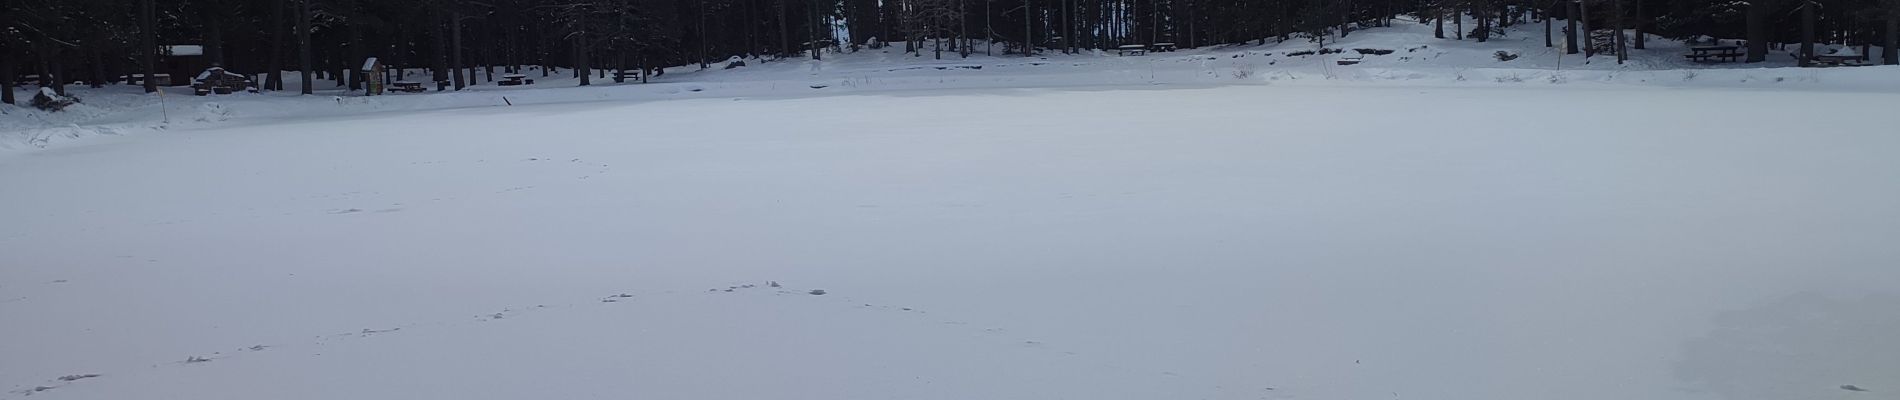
(366, 332)
(70, 378)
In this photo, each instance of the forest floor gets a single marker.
(1300, 238)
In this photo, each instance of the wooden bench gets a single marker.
(514, 80)
(406, 86)
(1164, 47)
(1132, 49)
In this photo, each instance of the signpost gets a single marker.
(373, 69)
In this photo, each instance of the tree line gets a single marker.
(464, 42)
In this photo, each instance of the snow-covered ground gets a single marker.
(1090, 236)
(1418, 59)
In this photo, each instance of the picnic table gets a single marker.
(219, 81)
(622, 76)
(1836, 59)
(1712, 53)
(1351, 59)
(406, 86)
(139, 79)
(1132, 49)
(1164, 47)
(514, 80)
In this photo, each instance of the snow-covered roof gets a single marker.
(185, 50)
(369, 64)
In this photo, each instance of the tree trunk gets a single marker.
(96, 59)
(541, 51)
(1641, 20)
(214, 35)
(700, 26)
(1484, 26)
(1807, 33)
(1758, 13)
(356, 56)
(440, 50)
(306, 70)
(581, 69)
(6, 72)
(1458, 22)
(148, 42)
(784, 31)
(1570, 29)
(1889, 49)
(1547, 26)
(1583, 19)
(274, 74)
(1194, 35)
(50, 68)
(1438, 27)
(1029, 38)
(1066, 36)
(817, 51)
(1154, 15)
(486, 42)
(456, 64)
(1616, 21)
(1504, 15)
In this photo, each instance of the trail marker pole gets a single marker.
(163, 111)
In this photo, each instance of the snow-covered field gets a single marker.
(1093, 234)
(1417, 59)
(1228, 243)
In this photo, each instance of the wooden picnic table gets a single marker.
(218, 80)
(1132, 49)
(1836, 60)
(139, 79)
(621, 76)
(1164, 47)
(514, 80)
(406, 86)
(1710, 53)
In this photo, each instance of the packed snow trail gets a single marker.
(1280, 242)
